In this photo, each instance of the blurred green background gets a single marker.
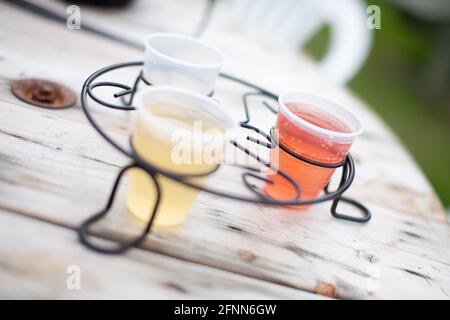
(406, 80)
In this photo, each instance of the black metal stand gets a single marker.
(267, 140)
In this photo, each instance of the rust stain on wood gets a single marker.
(247, 255)
(326, 289)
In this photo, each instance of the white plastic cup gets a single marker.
(168, 134)
(182, 61)
(317, 129)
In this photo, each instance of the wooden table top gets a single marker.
(55, 171)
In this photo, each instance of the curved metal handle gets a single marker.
(348, 173)
(366, 213)
(120, 247)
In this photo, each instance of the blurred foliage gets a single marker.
(406, 81)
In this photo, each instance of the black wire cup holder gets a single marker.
(267, 140)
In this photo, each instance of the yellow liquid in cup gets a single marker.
(156, 147)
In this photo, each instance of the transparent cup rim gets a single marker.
(314, 101)
(226, 119)
(192, 40)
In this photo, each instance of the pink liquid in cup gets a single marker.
(316, 129)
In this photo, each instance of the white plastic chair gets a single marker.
(293, 22)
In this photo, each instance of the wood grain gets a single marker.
(55, 168)
(35, 257)
(283, 70)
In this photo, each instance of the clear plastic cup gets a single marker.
(317, 129)
(182, 61)
(179, 131)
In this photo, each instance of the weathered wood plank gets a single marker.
(244, 59)
(69, 186)
(140, 18)
(36, 268)
(58, 169)
(404, 188)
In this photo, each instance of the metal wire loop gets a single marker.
(267, 140)
(119, 247)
